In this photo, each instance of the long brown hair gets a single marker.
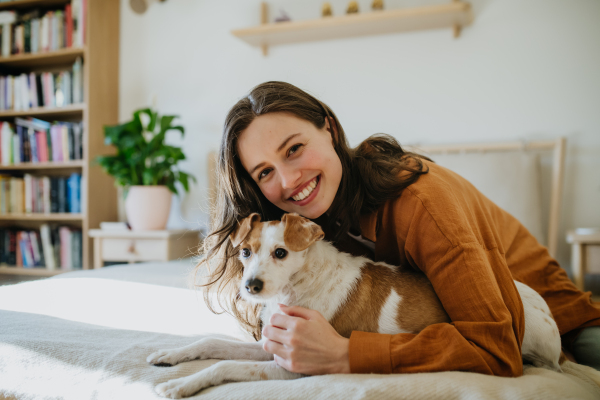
(372, 173)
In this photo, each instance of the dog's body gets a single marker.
(352, 293)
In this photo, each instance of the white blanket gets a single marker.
(86, 335)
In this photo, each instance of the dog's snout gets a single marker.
(254, 286)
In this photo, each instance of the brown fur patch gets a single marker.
(243, 229)
(299, 232)
(252, 241)
(263, 376)
(419, 306)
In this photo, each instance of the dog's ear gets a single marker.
(299, 232)
(243, 229)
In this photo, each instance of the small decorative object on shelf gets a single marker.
(146, 166)
(326, 10)
(352, 8)
(377, 5)
(282, 17)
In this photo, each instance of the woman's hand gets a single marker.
(304, 342)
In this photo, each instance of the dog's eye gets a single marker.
(245, 253)
(280, 253)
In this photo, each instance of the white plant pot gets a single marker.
(148, 207)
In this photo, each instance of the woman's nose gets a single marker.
(290, 178)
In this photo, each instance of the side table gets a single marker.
(585, 254)
(133, 246)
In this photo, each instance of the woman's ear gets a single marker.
(332, 128)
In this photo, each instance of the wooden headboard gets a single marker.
(558, 149)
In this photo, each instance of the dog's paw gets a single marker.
(166, 358)
(179, 388)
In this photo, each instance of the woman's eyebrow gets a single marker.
(287, 140)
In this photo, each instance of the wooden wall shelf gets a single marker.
(45, 59)
(31, 271)
(72, 110)
(453, 15)
(43, 165)
(20, 4)
(42, 217)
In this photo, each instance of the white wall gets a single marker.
(526, 69)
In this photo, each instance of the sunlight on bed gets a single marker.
(118, 304)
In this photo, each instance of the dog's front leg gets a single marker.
(206, 348)
(224, 371)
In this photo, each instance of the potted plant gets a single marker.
(145, 167)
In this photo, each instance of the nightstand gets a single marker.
(134, 246)
(585, 254)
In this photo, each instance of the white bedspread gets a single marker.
(86, 335)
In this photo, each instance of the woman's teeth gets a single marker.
(307, 191)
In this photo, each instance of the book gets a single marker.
(73, 193)
(54, 194)
(62, 195)
(38, 260)
(47, 247)
(65, 248)
(76, 251)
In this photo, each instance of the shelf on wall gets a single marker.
(31, 271)
(42, 217)
(43, 165)
(19, 4)
(49, 58)
(453, 15)
(72, 110)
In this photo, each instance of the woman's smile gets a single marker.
(306, 192)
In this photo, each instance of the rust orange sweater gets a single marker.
(471, 250)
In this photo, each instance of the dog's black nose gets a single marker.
(254, 286)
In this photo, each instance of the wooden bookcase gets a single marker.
(101, 107)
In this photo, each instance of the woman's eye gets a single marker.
(263, 173)
(280, 253)
(245, 253)
(294, 149)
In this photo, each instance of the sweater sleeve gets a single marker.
(474, 284)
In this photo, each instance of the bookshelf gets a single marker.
(100, 56)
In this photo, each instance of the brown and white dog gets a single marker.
(287, 262)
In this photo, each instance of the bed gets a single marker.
(86, 335)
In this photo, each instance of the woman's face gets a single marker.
(294, 163)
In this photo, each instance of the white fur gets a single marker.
(318, 278)
(387, 319)
(541, 343)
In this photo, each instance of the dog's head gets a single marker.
(272, 252)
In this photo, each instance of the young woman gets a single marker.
(285, 151)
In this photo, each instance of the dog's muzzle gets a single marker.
(254, 286)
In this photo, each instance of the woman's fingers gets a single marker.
(297, 311)
(284, 321)
(275, 334)
(275, 348)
